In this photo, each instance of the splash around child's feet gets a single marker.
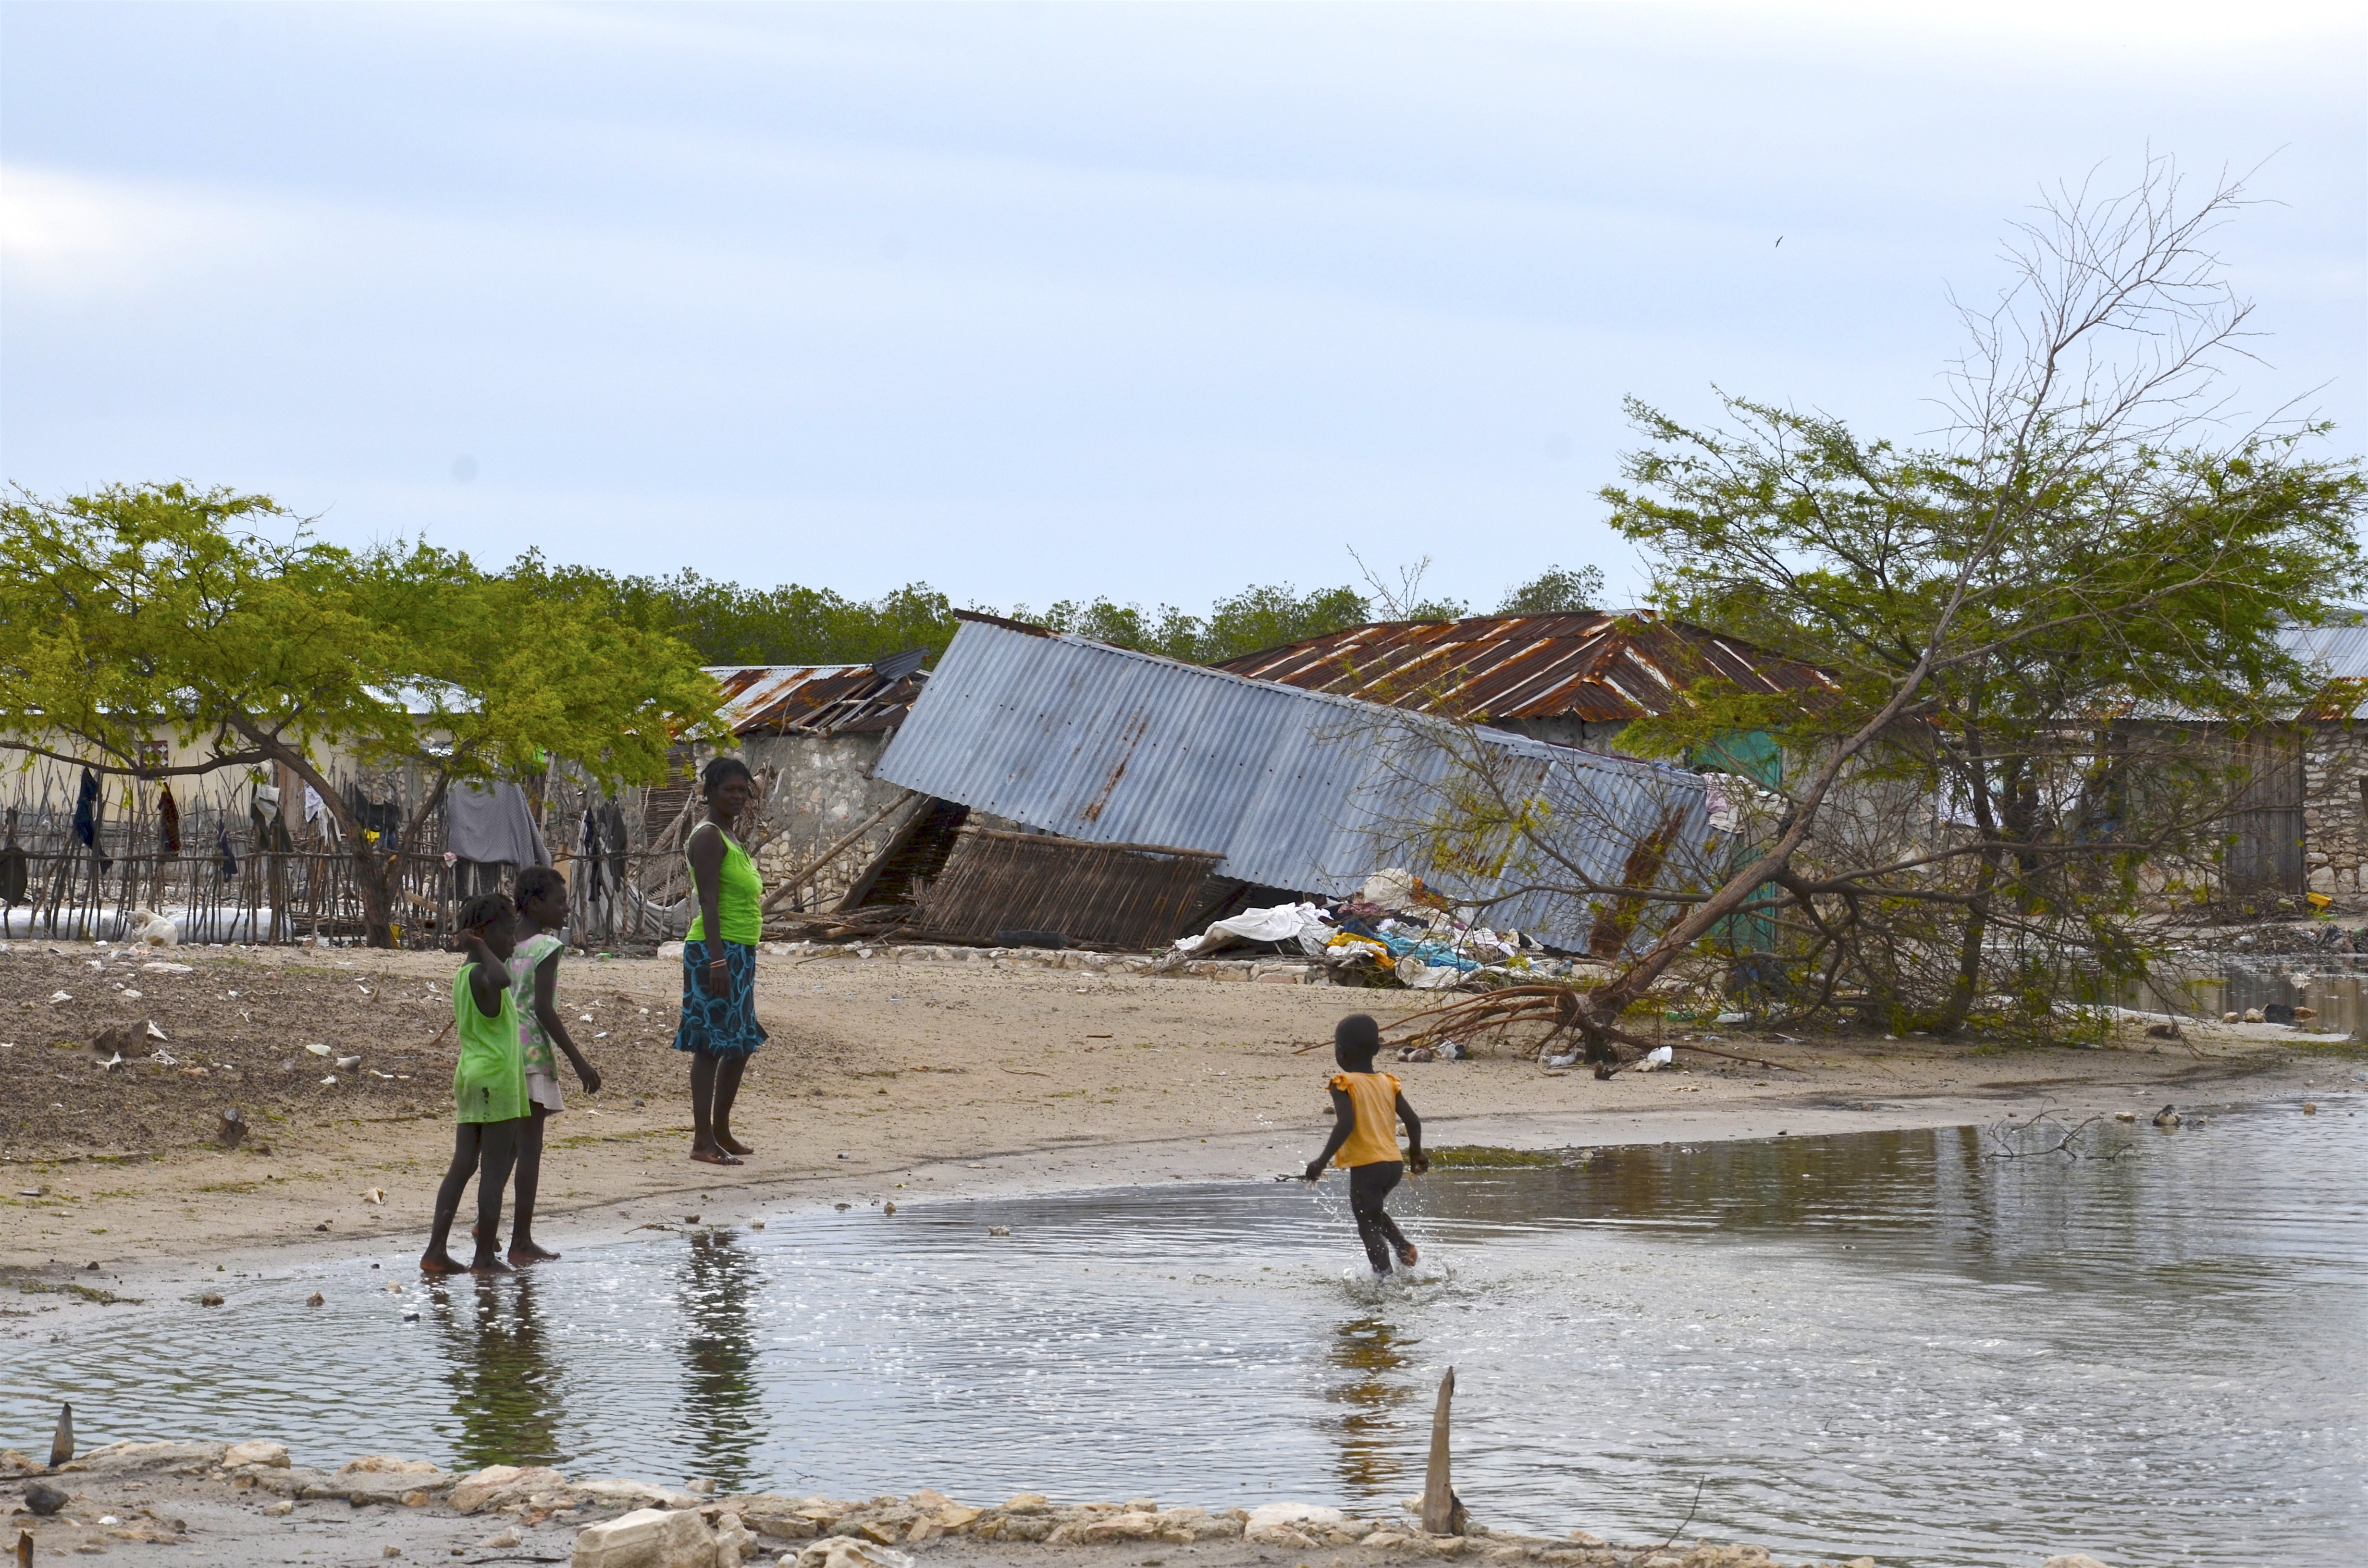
(526, 1252)
(489, 1265)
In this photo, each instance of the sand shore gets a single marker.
(881, 1077)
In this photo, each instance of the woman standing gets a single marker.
(719, 1024)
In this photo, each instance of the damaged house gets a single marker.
(1142, 795)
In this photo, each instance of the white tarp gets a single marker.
(1284, 922)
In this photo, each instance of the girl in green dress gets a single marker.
(488, 1086)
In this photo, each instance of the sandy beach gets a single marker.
(881, 1077)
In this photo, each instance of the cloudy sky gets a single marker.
(1043, 301)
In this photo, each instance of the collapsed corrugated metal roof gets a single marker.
(1295, 789)
(1594, 665)
(829, 700)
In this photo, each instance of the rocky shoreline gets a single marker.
(248, 1502)
(231, 1498)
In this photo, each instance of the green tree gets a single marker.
(1555, 591)
(141, 609)
(2022, 622)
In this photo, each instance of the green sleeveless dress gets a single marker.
(489, 1080)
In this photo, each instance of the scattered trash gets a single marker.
(316, 1300)
(375, 1195)
(57, 997)
(889, 1207)
(998, 1230)
(844, 1156)
(2166, 1116)
(2277, 1013)
(2230, 1018)
(1418, 1054)
(411, 1315)
(153, 1032)
(317, 1049)
(1732, 1018)
(2255, 1016)
(233, 1129)
(2126, 1116)
(331, 1080)
(1660, 1056)
(347, 1064)
(1454, 1051)
(842, 1207)
(2164, 1031)
(1569, 1061)
(209, 1299)
(690, 1218)
(2309, 1108)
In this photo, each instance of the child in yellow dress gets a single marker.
(1366, 1107)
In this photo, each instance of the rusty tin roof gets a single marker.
(1595, 665)
(811, 699)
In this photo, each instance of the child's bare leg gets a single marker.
(500, 1143)
(727, 1091)
(530, 1181)
(1368, 1187)
(466, 1151)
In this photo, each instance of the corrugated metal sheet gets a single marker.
(2339, 656)
(811, 699)
(1593, 665)
(1295, 789)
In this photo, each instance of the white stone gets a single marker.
(274, 1455)
(1289, 1522)
(845, 1552)
(630, 1541)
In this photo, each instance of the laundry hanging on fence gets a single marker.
(491, 825)
(85, 818)
(168, 820)
(221, 847)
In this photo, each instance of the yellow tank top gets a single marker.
(1374, 1097)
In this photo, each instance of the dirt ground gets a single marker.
(959, 1077)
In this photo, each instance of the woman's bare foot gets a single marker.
(709, 1154)
(731, 1145)
(524, 1253)
(438, 1263)
(1406, 1253)
(486, 1263)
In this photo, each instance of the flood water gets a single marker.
(1880, 1343)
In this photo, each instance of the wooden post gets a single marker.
(1442, 1510)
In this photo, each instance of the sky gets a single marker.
(1044, 302)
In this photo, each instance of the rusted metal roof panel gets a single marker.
(1593, 665)
(1295, 789)
(811, 699)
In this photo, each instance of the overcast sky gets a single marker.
(1050, 300)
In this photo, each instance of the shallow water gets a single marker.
(1880, 1343)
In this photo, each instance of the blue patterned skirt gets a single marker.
(725, 1025)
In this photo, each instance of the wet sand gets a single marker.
(881, 1077)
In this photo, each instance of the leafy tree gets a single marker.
(141, 609)
(1555, 591)
(2023, 621)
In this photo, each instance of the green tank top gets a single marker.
(738, 891)
(489, 1080)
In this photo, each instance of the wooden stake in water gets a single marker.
(61, 1443)
(1442, 1510)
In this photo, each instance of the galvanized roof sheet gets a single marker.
(1295, 789)
(810, 699)
(1596, 666)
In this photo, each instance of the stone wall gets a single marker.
(827, 788)
(2334, 811)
